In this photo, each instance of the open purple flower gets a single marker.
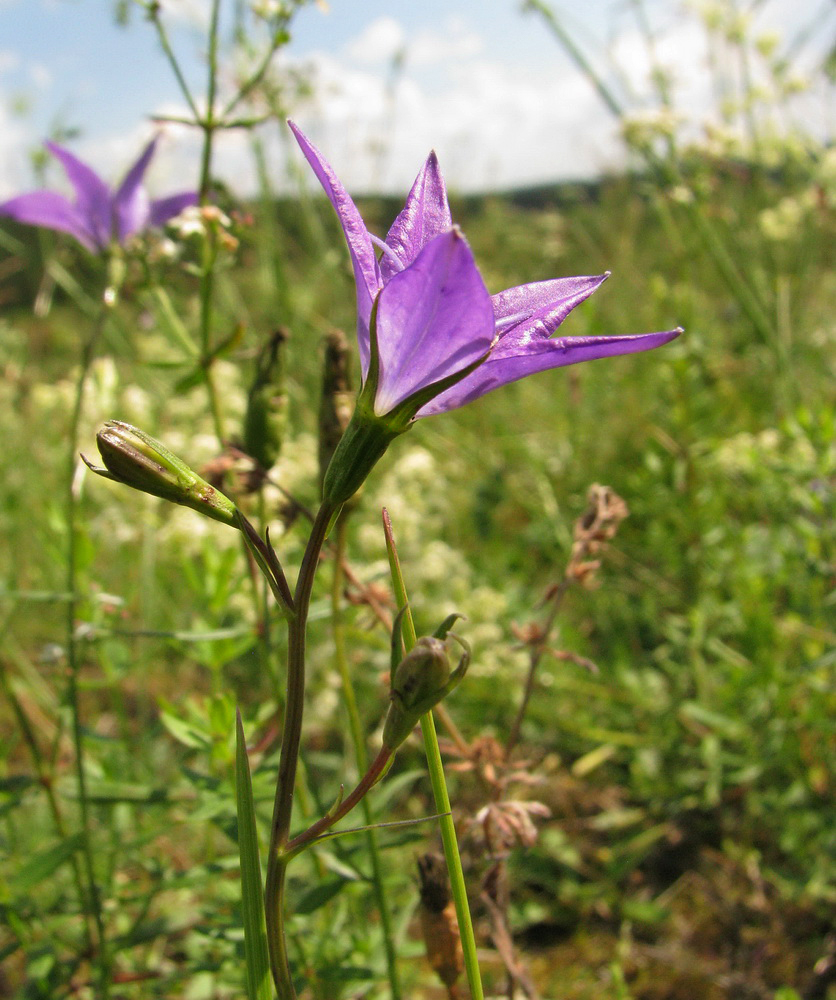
(431, 336)
(98, 217)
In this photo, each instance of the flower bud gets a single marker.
(266, 417)
(135, 459)
(419, 682)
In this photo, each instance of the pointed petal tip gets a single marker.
(54, 147)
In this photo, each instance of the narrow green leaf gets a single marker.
(45, 863)
(190, 381)
(321, 894)
(171, 324)
(184, 732)
(252, 898)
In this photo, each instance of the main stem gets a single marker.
(209, 125)
(73, 662)
(289, 759)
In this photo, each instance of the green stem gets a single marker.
(331, 818)
(73, 663)
(357, 738)
(46, 779)
(162, 35)
(289, 759)
(439, 787)
(209, 124)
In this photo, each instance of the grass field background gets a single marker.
(680, 729)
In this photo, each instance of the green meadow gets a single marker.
(663, 824)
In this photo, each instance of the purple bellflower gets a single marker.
(98, 217)
(431, 336)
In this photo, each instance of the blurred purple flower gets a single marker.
(98, 217)
(431, 336)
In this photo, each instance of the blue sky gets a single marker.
(481, 82)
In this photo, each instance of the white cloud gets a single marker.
(454, 42)
(496, 120)
(492, 123)
(15, 143)
(379, 42)
(9, 61)
(40, 75)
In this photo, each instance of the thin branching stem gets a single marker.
(355, 726)
(289, 759)
(536, 655)
(73, 658)
(168, 51)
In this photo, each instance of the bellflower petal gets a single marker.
(164, 209)
(539, 356)
(98, 216)
(425, 215)
(91, 194)
(131, 205)
(533, 311)
(434, 319)
(360, 246)
(52, 211)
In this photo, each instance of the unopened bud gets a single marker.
(135, 459)
(266, 417)
(419, 682)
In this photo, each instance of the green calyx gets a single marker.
(421, 680)
(135, 459)
(361, 447)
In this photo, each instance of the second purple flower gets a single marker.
(98, 217)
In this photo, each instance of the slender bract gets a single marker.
(252, 901)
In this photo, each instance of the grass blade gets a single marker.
(252, 899)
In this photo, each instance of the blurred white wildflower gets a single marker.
(681, 194)
(749, 454)
(270, 10)
(195, 220)
(135, 406)
(181, 530)
(645, 127)
(787, 219)
(767, 43)
(164, 249)
(721, 141)
(326, 702)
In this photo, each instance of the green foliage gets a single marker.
(689, 779)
